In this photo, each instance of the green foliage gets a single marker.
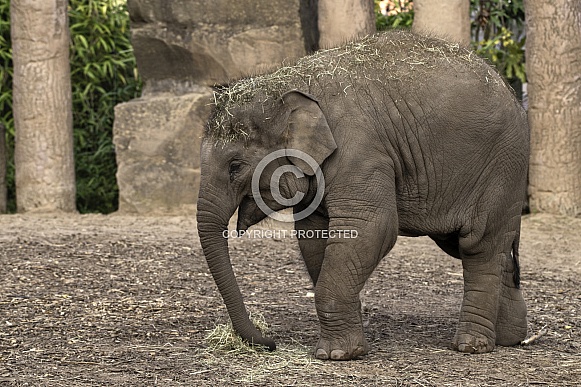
(103, 74)
(6, 98)
(399, 14)
(498, 34)
(5, 68)
(497, 30)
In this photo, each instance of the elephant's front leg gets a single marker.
(348, 263)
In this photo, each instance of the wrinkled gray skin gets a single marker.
(414, 137)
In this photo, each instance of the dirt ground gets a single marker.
(114, 300)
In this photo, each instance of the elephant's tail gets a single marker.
(515, 261)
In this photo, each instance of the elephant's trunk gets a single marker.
(212, 222)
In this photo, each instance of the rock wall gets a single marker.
(182, 48)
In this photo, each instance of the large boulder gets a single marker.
(182, 48)
(157, 140)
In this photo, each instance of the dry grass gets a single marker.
(223, 343)
(224, 338)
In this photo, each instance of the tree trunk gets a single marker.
(3, 204)
(43, 153)
(554, 86)
(343, 20)
(448, 19)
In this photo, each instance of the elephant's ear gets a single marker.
(308, 130)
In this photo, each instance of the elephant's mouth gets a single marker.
(248, 214)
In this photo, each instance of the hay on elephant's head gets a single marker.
(324, 64)
(377, 58)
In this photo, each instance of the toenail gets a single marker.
(321, 354)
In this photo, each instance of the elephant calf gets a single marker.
(395, 134)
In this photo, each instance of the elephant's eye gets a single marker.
(234, 168)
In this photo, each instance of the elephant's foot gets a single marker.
(348, 347)
(342, 335)
(511, 324)
(472, 343)
(510, 334)
(475, 333)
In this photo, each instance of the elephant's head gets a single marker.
(238, 138)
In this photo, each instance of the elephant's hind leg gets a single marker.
(493, 310)
(476, 331)
(511, 323)
(483, 251)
